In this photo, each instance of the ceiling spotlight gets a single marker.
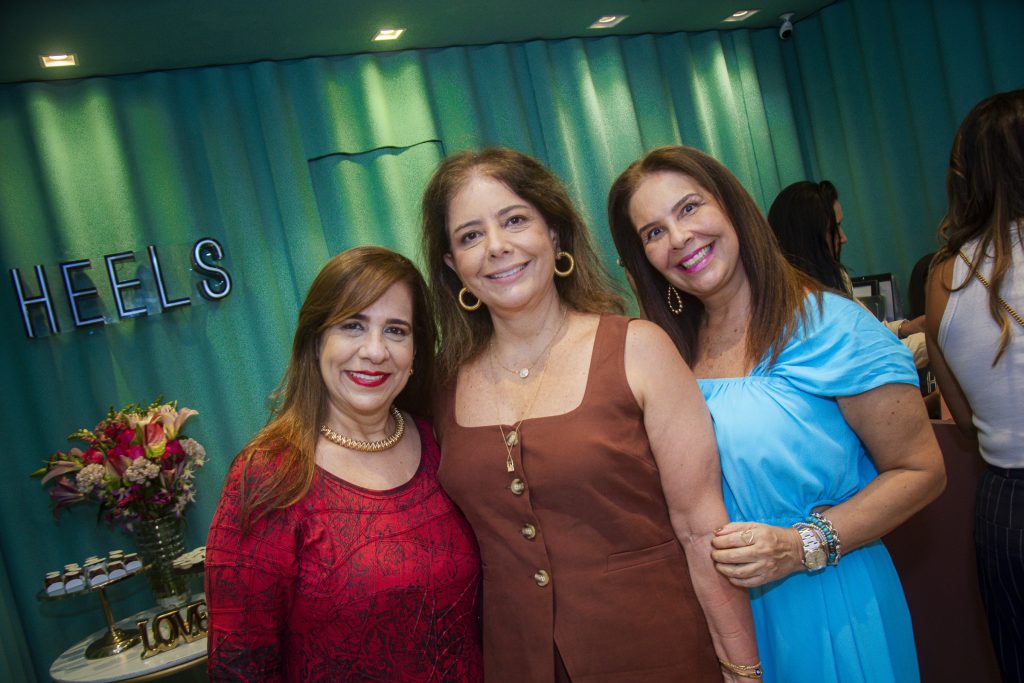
(786, 29)
(389, 34)
(741, 15)
(50, 61)
(609, 20)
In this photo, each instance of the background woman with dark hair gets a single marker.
(828, 192)
(824, 443)
(805, 225)
(334, 555)
(976, 338)
(909, 330)
(805, 219)
(577, 444)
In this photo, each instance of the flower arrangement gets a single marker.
(137, 465)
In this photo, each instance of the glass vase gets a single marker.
(160, 541)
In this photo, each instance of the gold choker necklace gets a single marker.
(368, 446)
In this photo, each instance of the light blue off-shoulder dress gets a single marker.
(786, 449)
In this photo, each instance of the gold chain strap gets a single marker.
(981, 278)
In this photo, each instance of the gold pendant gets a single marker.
(512, 438)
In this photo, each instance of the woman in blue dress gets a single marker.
(824, 440)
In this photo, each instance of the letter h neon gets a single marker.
(43, 299)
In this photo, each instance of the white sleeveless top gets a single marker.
(969, 337)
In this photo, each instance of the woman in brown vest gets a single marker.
(576, 443)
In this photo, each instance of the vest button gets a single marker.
(528, 531)
(542, 578)
(517, 487)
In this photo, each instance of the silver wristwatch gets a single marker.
(815, 557)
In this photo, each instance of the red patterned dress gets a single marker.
(346, 585)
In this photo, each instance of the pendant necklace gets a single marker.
(511, 439)
(524, 372)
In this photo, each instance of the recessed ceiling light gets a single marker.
(389, 34)
(741, 15)
(609, 20)
(50, 61)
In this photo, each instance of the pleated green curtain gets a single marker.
(285, 164)
(15, 656)
(882, 88)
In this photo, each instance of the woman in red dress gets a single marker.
(334, 555)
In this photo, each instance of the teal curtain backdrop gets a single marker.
(285, 164)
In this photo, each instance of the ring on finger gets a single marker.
(748, 537)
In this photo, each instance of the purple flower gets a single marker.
(64, 495)
(162, 498)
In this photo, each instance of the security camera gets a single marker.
(786, 29)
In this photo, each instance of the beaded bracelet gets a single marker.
(835, 549)
(830, 539)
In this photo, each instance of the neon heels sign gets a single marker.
(133, 296)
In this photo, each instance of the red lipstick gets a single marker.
(367, 378)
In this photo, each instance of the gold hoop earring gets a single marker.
(462, 301)
(572, 264)
(677, 306)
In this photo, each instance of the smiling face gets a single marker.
(502, 248)
(365, 359)
(686, 235)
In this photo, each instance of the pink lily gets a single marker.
(173, 420)
(117, 463)
(155, 439)
(60, 468)
(135, 421)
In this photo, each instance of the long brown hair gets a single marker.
(589, 289)
(985, 189)
(805, 228)
(778, 289)
(347, 284)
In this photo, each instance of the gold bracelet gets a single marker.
(743, 670)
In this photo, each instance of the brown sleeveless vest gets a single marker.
(603, 576)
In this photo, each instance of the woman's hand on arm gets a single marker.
(892, 423)
(683, 442)
(751, 554)
(937, 296)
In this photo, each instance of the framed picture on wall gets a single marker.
(884, 286)
(864, 289)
